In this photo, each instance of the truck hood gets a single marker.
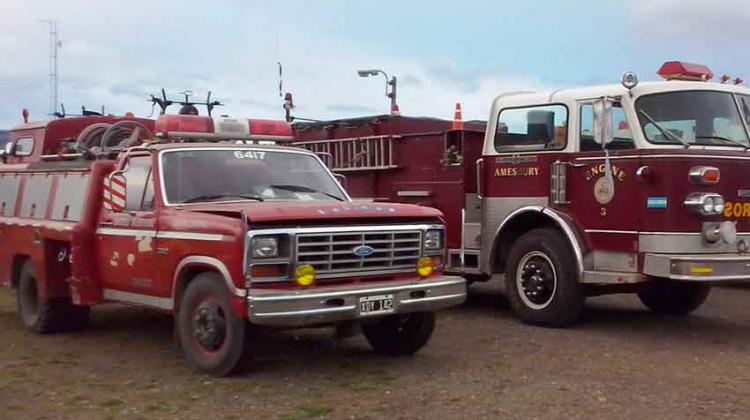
(292, 211)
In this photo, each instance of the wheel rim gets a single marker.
(209, 326)
(536, 280)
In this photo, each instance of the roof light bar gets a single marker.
(681, 70)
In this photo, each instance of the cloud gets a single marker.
(353, 108)
(117, 54)
(692, 21)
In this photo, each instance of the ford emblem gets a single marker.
(363, 251)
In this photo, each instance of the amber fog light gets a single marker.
(425, 266)
(304, 275)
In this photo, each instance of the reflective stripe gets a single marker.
(138, 299)
(163, 234)
(193, 236)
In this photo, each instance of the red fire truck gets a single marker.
(206, 220)
(637, 187)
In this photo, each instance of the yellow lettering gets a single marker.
(728, 209)
(737, 209)
(746, 210)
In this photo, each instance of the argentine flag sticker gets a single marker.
(659, 202)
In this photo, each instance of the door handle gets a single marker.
(161, 251)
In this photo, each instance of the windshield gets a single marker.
(691, 117)
(192, 176)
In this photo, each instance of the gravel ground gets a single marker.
(621, 362)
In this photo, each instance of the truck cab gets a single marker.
(227, 231)
(635, 187)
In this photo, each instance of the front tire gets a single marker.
(541, 280)
(212, 338)
(668, 297)
(47, 315)
(401, 334)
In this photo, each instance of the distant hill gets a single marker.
(3, 136)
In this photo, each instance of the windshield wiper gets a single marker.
(210, 197)
(726, 139)
(300, 188)
(664, 132)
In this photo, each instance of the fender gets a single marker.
(205, 261)
(559, 219)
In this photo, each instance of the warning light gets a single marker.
(680, 70)
(25, 114)
(129, 115)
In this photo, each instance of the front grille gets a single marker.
(333, 253)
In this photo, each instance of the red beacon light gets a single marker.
(680, 70)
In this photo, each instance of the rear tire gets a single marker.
(541, 280)
(401, 334)
(212, 338)
(668, 297)
(47, 315)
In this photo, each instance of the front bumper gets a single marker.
(698, 267)
(324, 305)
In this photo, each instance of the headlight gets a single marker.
(705, 203)
(433, 239)
(265, 247)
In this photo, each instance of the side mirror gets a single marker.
(603, 122)
(326, 157)
(341, 179)
(114, 192)
(10, 148)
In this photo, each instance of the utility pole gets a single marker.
(54, 45)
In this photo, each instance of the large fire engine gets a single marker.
(636, 187)
(210, 220)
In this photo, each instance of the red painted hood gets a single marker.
(292, 211)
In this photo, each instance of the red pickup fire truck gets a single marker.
(205, 220)
(637, 187)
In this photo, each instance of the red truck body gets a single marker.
(634, 188)
(189, 211)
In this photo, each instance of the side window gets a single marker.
(24, 146)
(139, 188)
(453, 154)
(532, 128)
(745, 105)
(620, 128)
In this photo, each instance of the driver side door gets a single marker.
(127, 239)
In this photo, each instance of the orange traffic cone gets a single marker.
(458, 123)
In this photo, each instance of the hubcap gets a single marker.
(209, 325)
(536, 280)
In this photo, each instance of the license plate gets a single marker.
(374, 305)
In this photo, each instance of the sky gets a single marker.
(114, 54)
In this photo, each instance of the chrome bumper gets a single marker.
(701, 267)
(298, 308)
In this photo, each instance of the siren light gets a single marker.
(681, 70)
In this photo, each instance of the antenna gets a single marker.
(54, 46)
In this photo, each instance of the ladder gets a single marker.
(355, 154)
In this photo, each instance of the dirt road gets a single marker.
(621, 362)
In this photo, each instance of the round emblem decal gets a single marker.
(363, 251)
(604, 190)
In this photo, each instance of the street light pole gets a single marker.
(392, 83)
